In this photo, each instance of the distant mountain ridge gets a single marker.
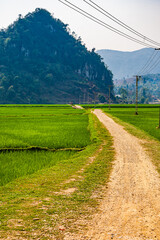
(126, 64)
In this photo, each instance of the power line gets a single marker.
(110, 16)
(147, 66)
(153, 66)
(150, 64)
(151, 58)
(97, 20)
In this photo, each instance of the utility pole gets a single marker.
(87, 97)
(94, 99)
(159, 119)
(109, 98)
(79, 99)
(109, 86)
(137, 79)
(84, 96)
(158, 49)
(94, 95)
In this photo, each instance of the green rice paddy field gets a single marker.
(45, 151)
(46, 128)
(37, 137)
(147, 119)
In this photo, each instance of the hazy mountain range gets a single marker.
(127, 64)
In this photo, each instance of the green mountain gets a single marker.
(42, 62)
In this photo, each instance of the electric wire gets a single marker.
(146, 68)
(110, 16)
(97, 20)
(153, 66)
(149, 61)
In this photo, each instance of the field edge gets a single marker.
(151, 145)
(37, 206)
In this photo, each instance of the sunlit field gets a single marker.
(31, 136)
(146, 120)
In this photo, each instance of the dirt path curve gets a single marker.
(131, 206)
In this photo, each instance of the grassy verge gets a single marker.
(33, 207)
(20, 164)
(147, 120)
(143, 128)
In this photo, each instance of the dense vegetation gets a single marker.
(149, 89)
(42, 62)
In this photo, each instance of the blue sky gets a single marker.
(142, 15)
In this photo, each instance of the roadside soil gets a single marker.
(130, 208)
(78, 107)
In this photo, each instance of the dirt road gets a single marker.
(130, 208)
